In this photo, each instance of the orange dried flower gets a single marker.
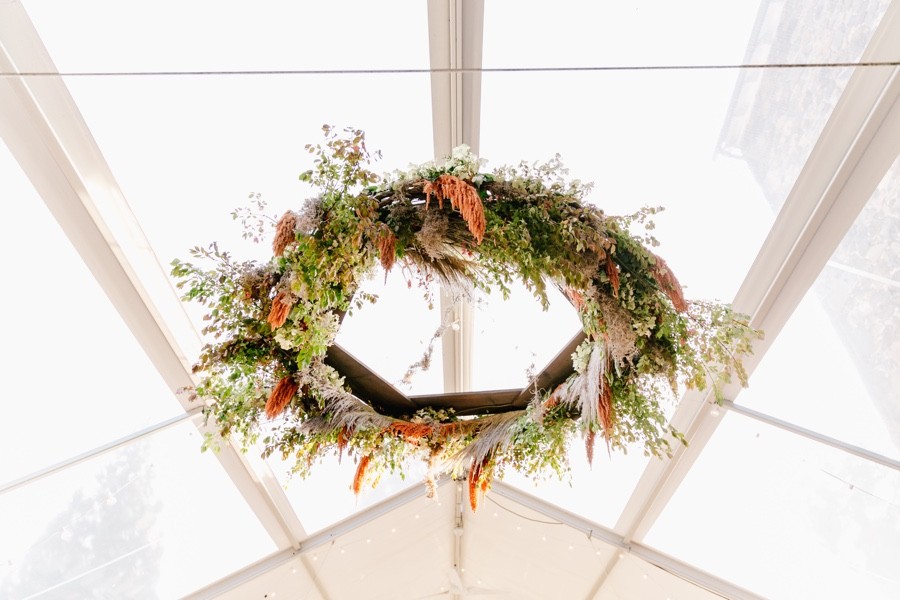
(450, 430)
(669, 284)
(575, 297)
(478, 481)
(342, 440)
(553, 400)
(387, 249)
(606, 411)
(411, 432)
(281, 396)
(281, 308)
(361, 473)
(463, 197)
(612, 271)
(284, 233)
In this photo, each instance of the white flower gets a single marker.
(462, 153)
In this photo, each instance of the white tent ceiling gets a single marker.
(131, 132)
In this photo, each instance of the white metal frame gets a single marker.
(455, 43)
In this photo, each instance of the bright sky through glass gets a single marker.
(74, 361)
(166, 511)
(780, 500)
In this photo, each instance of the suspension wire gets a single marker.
(421, 71)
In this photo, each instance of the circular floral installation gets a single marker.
(264, 378)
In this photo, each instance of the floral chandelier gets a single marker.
(265, 381)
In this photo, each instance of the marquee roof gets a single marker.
(769, 130)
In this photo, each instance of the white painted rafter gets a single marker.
(455, 42)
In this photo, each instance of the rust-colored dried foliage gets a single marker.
(387, 249)
(360, 475)
(463, 197)
(669, 284)
(575, 297)
(342, 439)
(589, 446)
(478, 482)
(281, 308)
(284, 233)
(606, 411)
(612, 271)
(553, 400)
(281, 396)
(451, 430)
(411, 432)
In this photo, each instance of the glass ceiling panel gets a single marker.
(793, 32)
(786, 517)
(515, 337)
(599, 492)
(686, 140)
(644, 139)
(76, 377)
(835, 367)
(152, 519)
(326, 496)
(188, 151)
(168, 35)
(653, 32)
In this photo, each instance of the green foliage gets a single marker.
(537, 229)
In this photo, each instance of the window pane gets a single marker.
(786, 517)
(835, 367)
(154, 519)
(75, 376)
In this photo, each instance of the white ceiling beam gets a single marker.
(455, 32)
(857, 146)
(45, 132)
(455, 41)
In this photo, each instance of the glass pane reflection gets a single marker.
(152, 519)
(786, 517)
(835, 367)
(75, 377)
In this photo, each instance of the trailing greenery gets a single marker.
(264, 379)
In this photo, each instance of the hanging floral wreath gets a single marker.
(265, 380)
